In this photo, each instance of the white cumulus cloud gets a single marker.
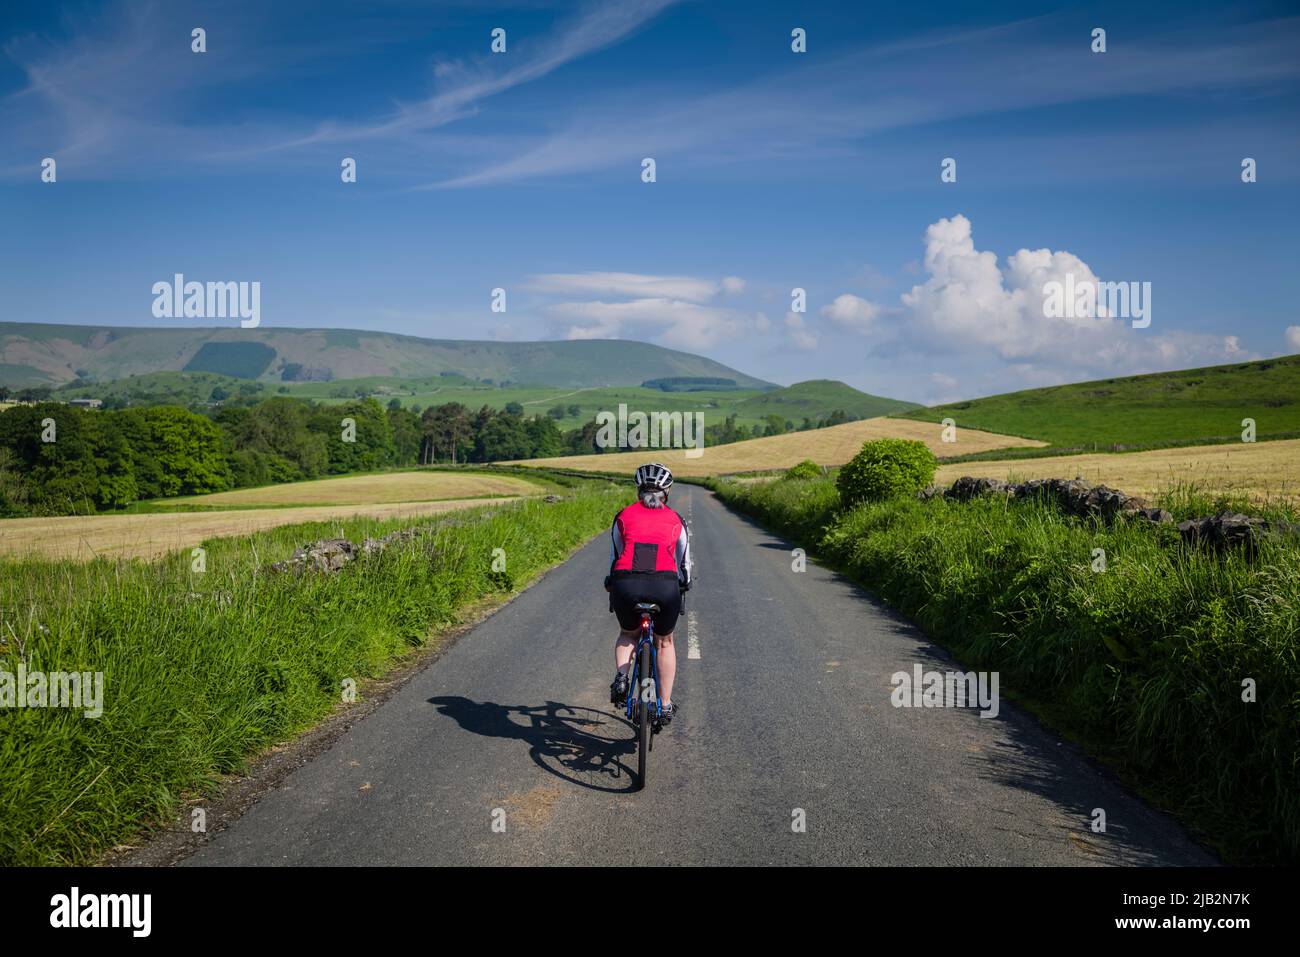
(970, 304)
(798, 333)
(853, 313)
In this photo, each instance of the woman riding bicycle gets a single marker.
(649, 561)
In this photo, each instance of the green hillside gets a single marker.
(812, 400)
(569, 407)
(1161, 409)
(816, 398)
(243, 360)
(39, 354)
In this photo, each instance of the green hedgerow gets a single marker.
(886, 468)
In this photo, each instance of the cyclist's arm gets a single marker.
(683, 556)
(615, 547)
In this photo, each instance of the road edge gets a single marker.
(167, 844)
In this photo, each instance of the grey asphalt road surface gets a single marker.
(784, 681)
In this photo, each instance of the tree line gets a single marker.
(57, 459)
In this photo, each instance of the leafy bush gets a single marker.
(807, 469)
(886, 468)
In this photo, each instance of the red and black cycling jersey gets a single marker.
(650, 540)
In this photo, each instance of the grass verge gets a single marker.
(1144, 663)
(201, 671)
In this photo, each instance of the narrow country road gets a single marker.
(786, 706)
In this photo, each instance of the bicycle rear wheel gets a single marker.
(644, 710)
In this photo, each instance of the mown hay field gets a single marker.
(1260, 471)
(418, 486)
(84, 537)
(830, 446)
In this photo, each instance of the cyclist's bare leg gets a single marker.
(623, 649)
(667, 661)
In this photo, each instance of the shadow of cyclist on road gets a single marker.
(581, 745)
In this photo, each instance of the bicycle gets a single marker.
(641, 682)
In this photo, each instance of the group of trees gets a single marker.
(453, 433)
(683, 383)
(564, 411)
(58, 459)
(37, 393)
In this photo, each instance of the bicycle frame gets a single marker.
(634, 679)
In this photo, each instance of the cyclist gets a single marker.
(649, 561)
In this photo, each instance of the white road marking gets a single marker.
(692, 640)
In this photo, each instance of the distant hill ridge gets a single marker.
(34, 354)
(816, 397)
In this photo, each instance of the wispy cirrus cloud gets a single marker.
(463, 84)
(95, 98)
(689, 288)
(122, 90)
(838, 105)
(676, 311)
(671, 322)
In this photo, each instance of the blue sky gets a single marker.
(775, 170)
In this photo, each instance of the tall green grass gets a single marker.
(203, 670)
(1143, 662)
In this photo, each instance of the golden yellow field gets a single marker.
(388, 495)
(421, 486)
(832, 446)
(1260, 470)
(151, 535)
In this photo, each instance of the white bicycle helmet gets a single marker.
(653, 476)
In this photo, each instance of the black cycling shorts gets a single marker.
(628, 588)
